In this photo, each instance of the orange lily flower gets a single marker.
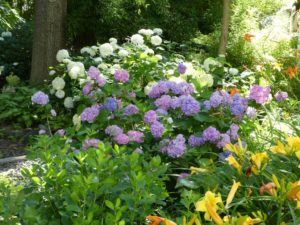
(233, 91)
(292, 71)
(269, 188)
(248, 37)
(156, 220)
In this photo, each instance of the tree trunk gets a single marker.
(49, 37)
(225, 27)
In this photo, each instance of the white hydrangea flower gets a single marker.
(159, 56)
(58, 83)
(233, 71)
(15, 63)
(6, 34)
(68, 103)
(60, 94)
(88, 50)
(76, 69)
(67, 61)
(149, 86)
(156, 40)
(115, 67)
(76, 121)
(52, 72)
(123, 53)
(52, 91)
(210, 62)
(98, 60)
(176, 79)
(146, 32)
(113, 40)
(137, 39)
(205, 79)
(158, 31)
(106, 50)
(149, 51)
(170, 120)
(170, 72)
(62, 54)
(1, 39)
(95, 48)
(102, 66)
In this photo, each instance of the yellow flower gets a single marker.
(259, 160)
(237, 149)
(197, 170)
(232, 192)
(294, 144)
(193, 221)
(209, 205)
(247, 220)
(232, 161)
(279, 148)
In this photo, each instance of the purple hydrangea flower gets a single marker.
(225, 139)
(122, 139)
(224, 155)
(189, 105)
(87, 88)
(233, 131)
(211, 134)
(162, 87)
(121, 76)
(185, 88)
(138, 151)
(89, 114)
(259, 94)
(181, 68)
(131, 94)
(195, 141)
(207, 105)
(93, 72)
(113, 130)
(136, 136)
(40, 98)
(157, 129)
(216, 99)
(163, 102)
(131, 110)
(150, 117)
(176, 147)
(111, 104)
(239, 105)
(91, 143)
(101, 80)
(281, 95)
(61, 132)
(161, 112)
(182, 176)
(175, 103)
(251, 112)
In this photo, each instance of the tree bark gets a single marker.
(225, 27)
(49, 37)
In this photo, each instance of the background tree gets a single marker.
(225, 27)
(49, 37)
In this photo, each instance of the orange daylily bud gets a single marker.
(269, 188)
(248, 37)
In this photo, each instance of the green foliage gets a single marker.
(9, 17)
(10, 201)
(98, 186)
(16, 106)
(16, 58)
(104, 19)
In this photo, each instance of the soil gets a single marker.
(13, 141)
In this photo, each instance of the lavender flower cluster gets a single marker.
(122, 139)
(212, 135)
(165, 87)
(40, 98)
(175, 147)
(91, 143)
(89, 114)
(260, 94)
(238, 105)
(94, 74)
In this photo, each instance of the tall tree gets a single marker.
(225, 27)
(49, 36)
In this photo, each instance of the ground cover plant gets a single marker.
(135, 133)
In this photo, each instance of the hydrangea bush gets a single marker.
(154, 103)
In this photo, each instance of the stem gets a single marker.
(279, 213)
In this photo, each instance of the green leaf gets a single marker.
(109, 204)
